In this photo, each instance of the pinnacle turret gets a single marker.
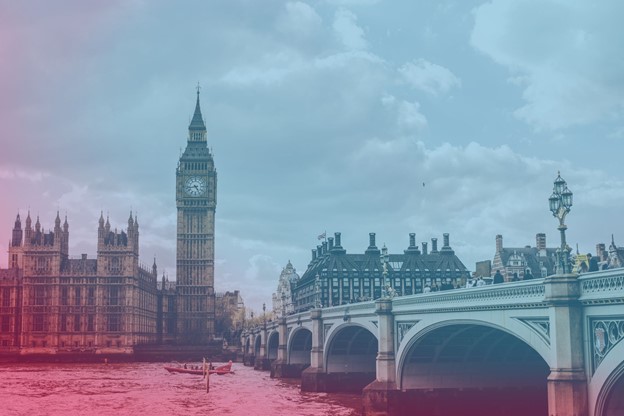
(197, 123)
(57, 221)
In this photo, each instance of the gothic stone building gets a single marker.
(334, 277)
(52, 303)
(283, 298)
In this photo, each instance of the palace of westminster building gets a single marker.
(51, 303)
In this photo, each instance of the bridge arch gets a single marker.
(300, 346)
(606, 388)
(351, 348)
(272, 345)
(512, 326)
(473, 364)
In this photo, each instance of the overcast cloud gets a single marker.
(353, 116)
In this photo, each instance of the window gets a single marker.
(14, 264)
(90, 321)
(64, 296)
(41, 264)
(77, 296)
(115, 265)
(6, 297)
(39, 295)
(6, 323)
(63, 323)
(113, 323)
(91, 296)
(113, 295)
(76, 323)
(38, 323)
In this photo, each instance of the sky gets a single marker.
(349, 116)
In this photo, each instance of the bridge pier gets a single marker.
(279, 367)
(567, 382)
(380, 396)
(249, 360)
(262, 362)
(313, 378)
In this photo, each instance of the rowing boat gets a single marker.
(220, 370)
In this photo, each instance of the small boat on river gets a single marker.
(220, 370)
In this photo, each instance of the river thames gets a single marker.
(147, 389)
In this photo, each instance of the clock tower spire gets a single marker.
(196, 201)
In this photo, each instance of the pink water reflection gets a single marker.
(147, 389)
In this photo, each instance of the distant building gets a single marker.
(612, 258)
(334, 277)
(539, 260)
(483, 268)
(229, 315)
(52, 303)
(283, 298)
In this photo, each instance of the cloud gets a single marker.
(299, 19)
(429, 77)
(350, 34)
(409, 118)
(352, 2)
(565, 58)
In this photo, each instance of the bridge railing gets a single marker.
(508, 295)
(605, 286)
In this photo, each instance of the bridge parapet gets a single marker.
(501, 296)
(603, 287)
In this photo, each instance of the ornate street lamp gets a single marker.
(386, 291)
(317, 292)
(560, 203)
(264, 314)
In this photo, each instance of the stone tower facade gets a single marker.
(54, 304)
(196, 200)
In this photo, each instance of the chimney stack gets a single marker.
(313, 254)
(412, 240)
(434, 245)
(324, 244)
(337, 236)
(446, 240)
(371, 240)
(424, 248)
(319, 251)
(540, 241)
(499, 243)
(331, 243)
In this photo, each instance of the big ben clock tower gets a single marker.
(196, 200)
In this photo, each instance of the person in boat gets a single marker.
(185, 366)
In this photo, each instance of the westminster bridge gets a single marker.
(540, 347)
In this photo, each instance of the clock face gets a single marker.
(195, 186)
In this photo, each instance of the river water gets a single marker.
(146, 389)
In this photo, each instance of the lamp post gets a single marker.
(386, 291)
(264, 315)
(317, 292)
(560, 203)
